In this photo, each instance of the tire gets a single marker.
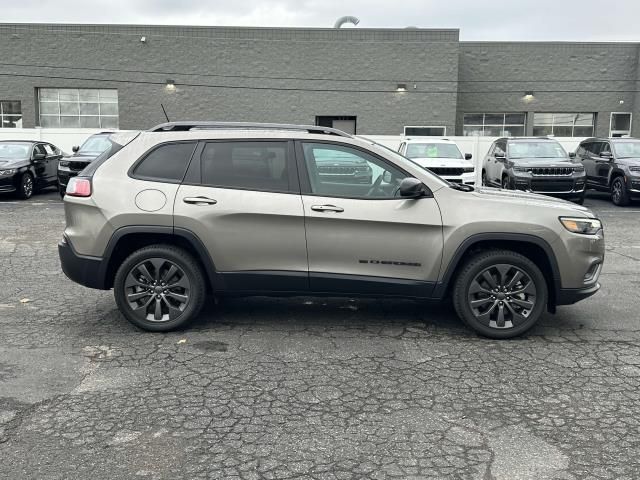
(506, 183)
(62, 191)
(619, 194)
(520, 311)
(178, 305)
(579, 200)
(484, 178)
(26, 186)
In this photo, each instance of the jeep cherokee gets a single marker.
(166, 216)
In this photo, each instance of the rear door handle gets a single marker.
(327, 208)
(200, 200)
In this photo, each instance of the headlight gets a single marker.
(578, 168)
(635, 170)
(469, 169)
(585, 226)
(64, 163)
(9, 171)
(521, 169)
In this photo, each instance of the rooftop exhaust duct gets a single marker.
(348, 19)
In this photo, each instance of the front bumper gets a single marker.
(85, 270)
(64, 174)
(569, 296)
(633, 186)
(557, 186)
(465, 178)
(7, 183)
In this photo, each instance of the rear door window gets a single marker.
(165, 163)
(249, 165)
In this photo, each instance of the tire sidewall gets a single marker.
(483, 262)
(190, 268)
(21, 193)
(622, 201)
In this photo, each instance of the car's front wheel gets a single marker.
(500, 294)
(25, 188)
(506, 183)
(160, 288)
(619, 194)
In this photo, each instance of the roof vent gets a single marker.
(348, 19)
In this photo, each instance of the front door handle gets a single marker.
(327, 208)
(200, 200)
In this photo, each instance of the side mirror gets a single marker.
(572, 154)
(39, 156)
(75, 149)
(468, 156)
(499, 155)
(606, 155)
(413, 188)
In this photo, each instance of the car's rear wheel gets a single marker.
(619, 194)
(25, 188)
(500, 294)
(160, 288)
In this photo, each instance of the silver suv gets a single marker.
(167, 216)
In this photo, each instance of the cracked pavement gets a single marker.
(310, 388)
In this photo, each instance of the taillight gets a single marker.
(79, 187)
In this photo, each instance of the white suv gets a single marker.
(442, 157)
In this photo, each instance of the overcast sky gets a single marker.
(588, 20)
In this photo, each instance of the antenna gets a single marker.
(165, 113)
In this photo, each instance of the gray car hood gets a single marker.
(544, 162)
(524, 198)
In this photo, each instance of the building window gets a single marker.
(563, 124)
(346, 124)
(420, 131)
(620, 124)
(78, 108)
(494, 124)
(10, 114)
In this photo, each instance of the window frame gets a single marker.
(443, 127)
(59, 115)
(2, 114)
(573, 125)
(612, 131)
(131, 172)
(504, 123)
(193, 176)
(305, 182)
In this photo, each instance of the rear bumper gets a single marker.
(85, 270)
(569, 296)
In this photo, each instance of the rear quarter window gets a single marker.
(166, 163)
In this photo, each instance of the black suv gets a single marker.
(82, 156)
(537, 165)
(27, 166)
(612, 165)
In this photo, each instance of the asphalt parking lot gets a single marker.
(310, 388)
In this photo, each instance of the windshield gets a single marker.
(627, 149)
(14, 150)
(115, 143)
(536, 150)
(95, 144)
(433, 150)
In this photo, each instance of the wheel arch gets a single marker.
(615, 173)
(535, 248)
(126, 240)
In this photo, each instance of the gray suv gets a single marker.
(167, 216)
(534, 164)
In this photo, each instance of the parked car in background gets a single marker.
(534, 164)
(27, 166)
(442, 157)
(167, 216)
(82, 156)
(612, 165)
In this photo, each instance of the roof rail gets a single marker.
(187, 126)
